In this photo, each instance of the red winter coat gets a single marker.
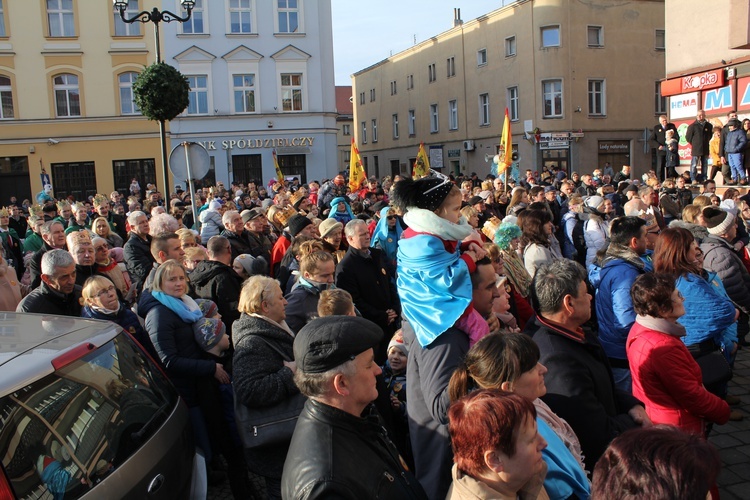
(668, 381)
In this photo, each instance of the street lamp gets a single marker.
(156, 16)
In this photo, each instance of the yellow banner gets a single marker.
(279, 175)
(356, 169)
(506, 146)
(422, 164)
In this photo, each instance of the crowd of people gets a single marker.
(435, 337)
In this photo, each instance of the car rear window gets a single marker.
(66, 432)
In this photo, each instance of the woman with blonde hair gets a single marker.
(188, 239)
(101, 228)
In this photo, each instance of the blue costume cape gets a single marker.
(342, 217)
(381, 234)
(434, 286)
(564, 475)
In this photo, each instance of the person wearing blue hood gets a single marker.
(385, 237)
(612, 279)
(340, 210)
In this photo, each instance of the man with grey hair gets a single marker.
(362, 273)
(340, 448)
(53, 235)
(58, 293)
(137, 250)
(580, 387)
(234, 231)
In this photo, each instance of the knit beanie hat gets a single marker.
(398, 342)
(252, 265)
(208, 333)
(717, 220)
(214, 205)
(297, 223)
(208, 307)
(328, 226)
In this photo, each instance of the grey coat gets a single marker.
(719, 257)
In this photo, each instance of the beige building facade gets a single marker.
(66, 73)
(580, 81)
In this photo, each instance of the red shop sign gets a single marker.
(707, 80)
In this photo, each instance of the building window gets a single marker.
(127, 104)
(60, 18)
(240, 16)
(597, 97)
(6, 99)
(434, 122)
(346, 129)
(247, 168)
(551, 36)
(67, 96)
(409, 82)
(288, 16)
(198, 95)
(361, 98)
(74, 179)
(431, 72)
(124, 29)
(364, 132)
(412, 123)
(2, 20)
(481, 57)
(372, 95)
(125, 170)
(395, 126)
(291, 91)
(595, 36)
(510, 46)
(393, 87)
(660, 102)
(244, 93)
(660, 42)
(451, 64)
(553, 101)
(484, 109)
(452, 115)
(513, 103)
(294, 166)
(374, 131)
(194, 25)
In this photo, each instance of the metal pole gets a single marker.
(190, 183)
(162, 129)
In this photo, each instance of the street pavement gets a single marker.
(732, 441)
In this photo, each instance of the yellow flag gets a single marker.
(279, 176)
(422, 164)
(356, 169)
(506, 146)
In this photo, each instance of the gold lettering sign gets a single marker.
(250, 143)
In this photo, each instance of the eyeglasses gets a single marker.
(101, 248)
(106, 291)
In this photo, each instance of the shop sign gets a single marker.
(436, 156)
(554, 140)
(707, 80)
(614, 146)
(454, 153)
(743, 93)
(718, 100)
(684, 105)
(279, 142)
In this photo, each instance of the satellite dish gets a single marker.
(189, 161)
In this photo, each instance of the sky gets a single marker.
(368, 31)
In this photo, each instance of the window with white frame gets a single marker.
(409, 82)
(553, 98)
(451, 66)
(288, 16)
(2, 19)
(510, 46)
(481, 57)
(346, 129)
(372, 95)
(484, 109)
(194, 25)
(198, 95)
(241, 16)
(127, 103)
(243, 88)
(660, 102)
(374, 131)
(60, 18)
(395, 126)
(550, 36)
(452, 115)
(127, 29)
(513, 103)
(393, 87)
(6, 99)
(434, 121)
(660, 40)
(597, 97)
(431, 72)
(364, 132)
(412, 123)
(361, 98)
(595, 36)
(67, 95)
(291, 92)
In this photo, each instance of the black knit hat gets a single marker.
(297, 223)
(427, 193)
(325, 343)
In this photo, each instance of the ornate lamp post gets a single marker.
(156, 16)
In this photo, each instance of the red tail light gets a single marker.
(6, 490)
(71, 355)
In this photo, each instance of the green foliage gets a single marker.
(161, 92)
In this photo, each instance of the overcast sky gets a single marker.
(368, 31)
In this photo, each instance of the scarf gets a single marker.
(661, 325)
(184, 307)
(108, 312)
(425, 221)
(562, 428)
(516, 272)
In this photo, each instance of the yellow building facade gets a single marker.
(66, 72)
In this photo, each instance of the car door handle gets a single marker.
(156, 483)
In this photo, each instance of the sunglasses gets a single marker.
(391, 217)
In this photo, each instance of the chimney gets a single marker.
(457, 18)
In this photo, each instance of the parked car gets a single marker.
(86, 413)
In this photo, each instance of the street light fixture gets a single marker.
(156, 16)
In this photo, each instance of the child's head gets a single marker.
(208, 308)
(335, 302)
(211, 335)
(669, 134)
(436, 194)
(398, 354)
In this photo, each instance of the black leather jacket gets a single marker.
(337, 455)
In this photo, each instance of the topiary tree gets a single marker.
(161, 92)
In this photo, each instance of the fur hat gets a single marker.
(717, 220)
(297, 223)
